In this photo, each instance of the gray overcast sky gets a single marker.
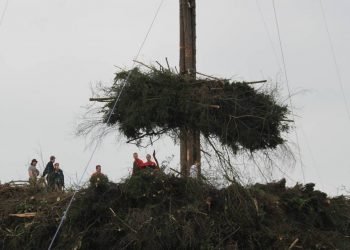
(52, 51)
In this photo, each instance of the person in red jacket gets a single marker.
(149, 163)
(137, 165)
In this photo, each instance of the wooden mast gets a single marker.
(189, 139)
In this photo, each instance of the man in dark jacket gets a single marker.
(49, 169)
(58, 177)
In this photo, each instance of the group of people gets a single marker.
(139, 165)
(52, 172)
(55, 178)
(149, 164)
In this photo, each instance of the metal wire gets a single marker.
(335, 61)
(109, 117)
(4, 12)
(288, 88)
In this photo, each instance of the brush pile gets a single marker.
(165, 212)
(156, 102)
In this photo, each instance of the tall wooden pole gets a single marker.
(189, 139)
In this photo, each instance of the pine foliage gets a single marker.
(156, 102)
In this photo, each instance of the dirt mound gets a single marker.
(166, 212)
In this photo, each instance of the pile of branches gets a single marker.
(161, 211)
(159, 101)
(29, 216)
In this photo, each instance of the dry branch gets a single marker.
(293, 244)
(101, 99)
(23, 215)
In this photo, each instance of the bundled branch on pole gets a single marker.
(156, 102)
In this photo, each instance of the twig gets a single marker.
(243, 116)
(119, 67)
(161, 66)
(212, 77)
(262, 81)
(199, 212)
(167, 63)
(24, 215)
(293, 244)
(214, 106)
(155, 158)
(19, 181)
(232, 233)
(177, 172)
(145, 65)
(114, 214)
(207, 105)
(205, 152)
(160, 132)
(101, 99)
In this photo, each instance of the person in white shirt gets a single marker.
(194, 170)
(33, 172)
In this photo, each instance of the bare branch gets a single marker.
(101, 99)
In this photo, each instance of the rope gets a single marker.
(3, 12)
(109, 117)
(288, 88)
(340, 81)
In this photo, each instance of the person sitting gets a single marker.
(137, 165)
(33, 173)
(58, 177)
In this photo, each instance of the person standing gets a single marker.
(98, 170)
(194, 170)
(137, 165)
(33, 173)
(48, 172)
(149, 163)
(98, 179)
(58, 177)
(98, 173)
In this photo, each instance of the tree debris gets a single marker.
(158, 211)
(160, 102)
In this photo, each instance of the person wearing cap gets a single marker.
(49, 169)
(33, 172)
